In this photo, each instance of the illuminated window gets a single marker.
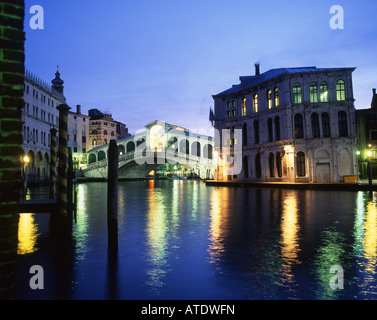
(325, 125)
(157, 138)
(276, 94)
(229, 114)
(299, 126)
(340, 90)
(244, 107)
(297, 98)
(300, 162)
(255, 102)
(228, 104)
(269, 99)
(313, 92)
(315, 125)
(342, 121)
(324, 93)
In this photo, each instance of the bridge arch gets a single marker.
(121, 149)
(101, 155)
(184, 147)
(130, 146)
(195, 149)
(92, 158)
(208, 151)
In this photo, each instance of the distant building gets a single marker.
(103, 128)
(367, 134)
(78, 136)
(297, 124)
(39, 115)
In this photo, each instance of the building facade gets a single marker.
(39, 116)
(103, 128)
(287, 125)
(367, 134)
(78, 137)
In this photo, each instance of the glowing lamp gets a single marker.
(26, 159)
(369, 153)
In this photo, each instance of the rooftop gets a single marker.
(249, 81)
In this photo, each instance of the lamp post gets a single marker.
(26, 162)
(369, 154)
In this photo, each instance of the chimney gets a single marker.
(257, 69)
(374, 100)
(78, 107)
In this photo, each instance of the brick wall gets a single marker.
(12, 58)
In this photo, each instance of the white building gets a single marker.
(295, 125)
(78, 136)
(39, 115)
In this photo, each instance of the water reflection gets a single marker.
(27, 234)
(289, 242)
(219, 200)
(367, 236)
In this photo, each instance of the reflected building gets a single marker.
(297, 125)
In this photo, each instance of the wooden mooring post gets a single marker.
(112, 196)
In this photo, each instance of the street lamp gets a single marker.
(26, 162)
(369, 155)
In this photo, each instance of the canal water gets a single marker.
(185, 240)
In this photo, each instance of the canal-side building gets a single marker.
(39, 115)
(78, 137)
(367, 135)
(103, 128)
(295, 124)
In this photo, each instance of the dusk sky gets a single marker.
(164, 59)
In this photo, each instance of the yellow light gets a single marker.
(26, 159)
(288, 149)
(369, 153)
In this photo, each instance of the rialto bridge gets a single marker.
(159, 150)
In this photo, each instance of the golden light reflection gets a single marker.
(27, 234)
(289, 237)
(218, 215)
(157, 236)
(370, 248)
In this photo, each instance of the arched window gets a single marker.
(255, 103)
(244, 107)
(343, 127)
(258, 167)
(94, 143)
(276, 94)
(244, 134)
(324, 93)
(270, 129)
(112, 133)
(315, 125)
(245, 167)
(279, 165)
(297, 98)
(271, 164)
(256, 131)
(299, 126)
(277, 128)
(300, 163)
(94, 131)
(340, 90)
(313, 92)
(269, 99)
(105, 132)
(101, 155)
(325, 125)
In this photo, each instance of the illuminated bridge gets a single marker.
(161, 150)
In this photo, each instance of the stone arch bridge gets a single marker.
(160, 148)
